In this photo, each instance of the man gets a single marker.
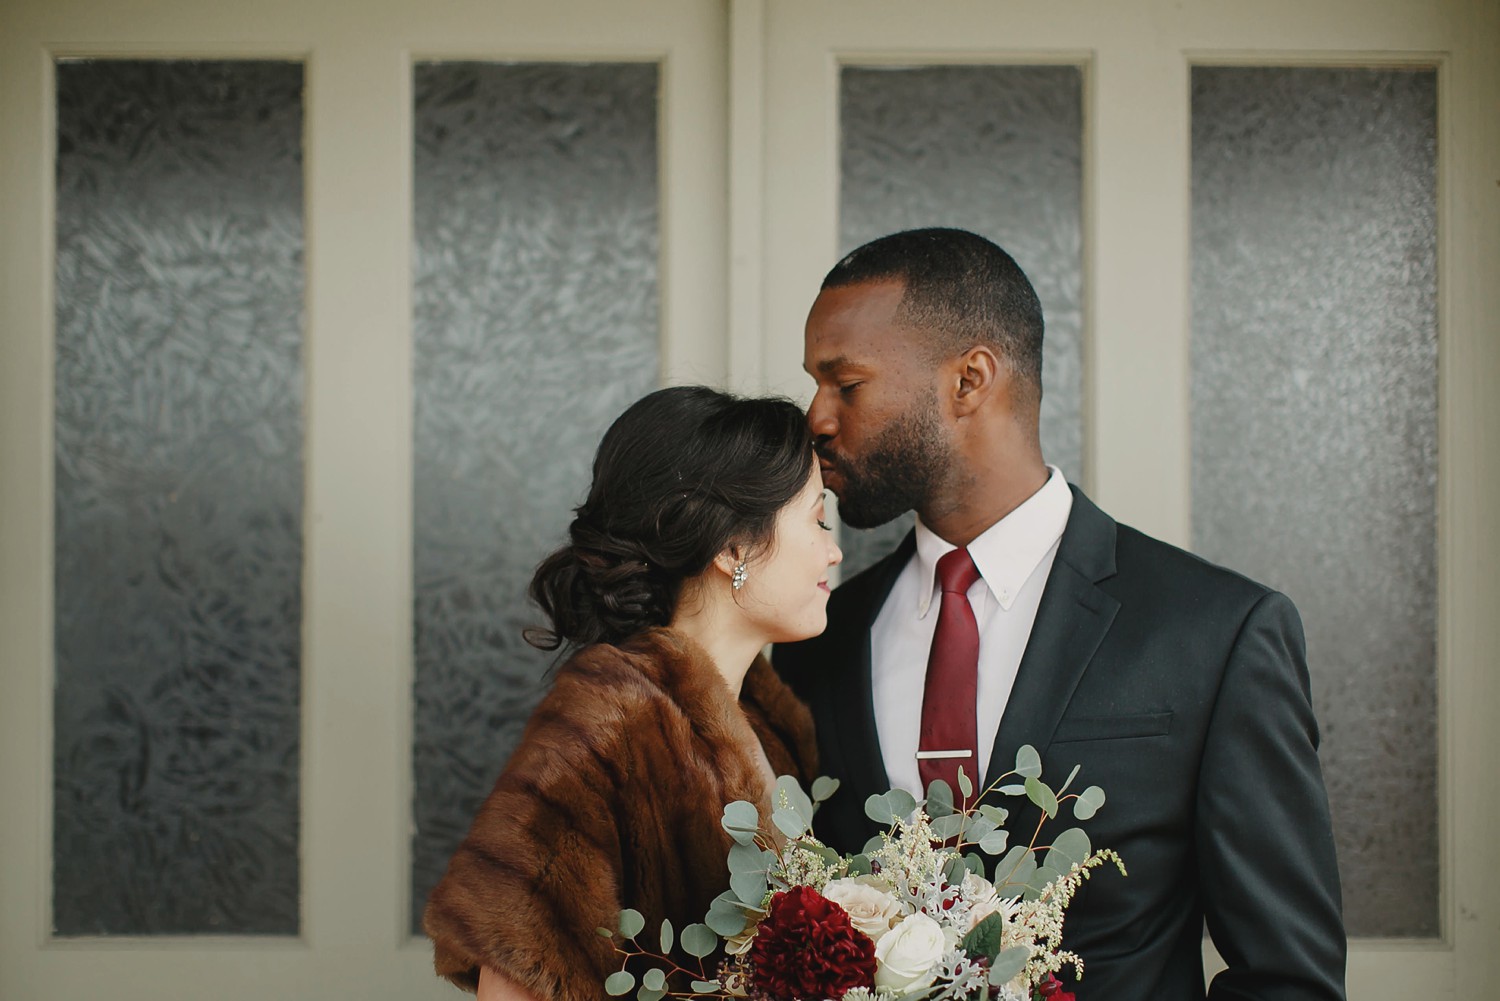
(1019, 613)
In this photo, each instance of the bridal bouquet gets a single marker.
(937, 907)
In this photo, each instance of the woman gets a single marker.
(702, 540)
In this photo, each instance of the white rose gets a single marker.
(985, 900)
(977, 889)
(907, 956)
(872, 909)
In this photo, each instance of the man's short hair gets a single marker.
(960, 290)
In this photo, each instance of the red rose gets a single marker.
(1051, 990)
(806, 947)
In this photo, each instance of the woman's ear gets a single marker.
(727, 560)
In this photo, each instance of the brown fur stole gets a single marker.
(612, 799)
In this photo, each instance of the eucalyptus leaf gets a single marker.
(994, 813)
(654, 979)
(947, 827)
(939, 799)
(741, 821)
(1028, 762)
(873, 845)
(859, 865)
(825, 853)
(1071, 776)
(748, 858)
(1088, 803)
(955, 871)
(1038, 792)
(995, 841)
(667, 934)
(605, 933)
(1013, 790)
(1069, 848)
(789, 788)
(725, 917)
(790, 822)
(705, 986)
(1014, 870)
(749, 887)
(1043, 877)
(630, 923)
(699, 940)
(650, 994)
(889, 807)
(983, 940)
(1009, 963)
(619, 982)
(965, 784)
(823, 788)
(975, 862)
(977, 828)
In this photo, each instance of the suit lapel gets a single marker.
(1071, 621)
(860, 740)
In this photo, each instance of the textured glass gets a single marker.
(179, 497)
(536, 324)
(1314, 385)
(993, 149)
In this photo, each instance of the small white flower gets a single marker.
(871, 907)
(907, 956)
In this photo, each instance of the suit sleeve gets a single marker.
(1265, 852)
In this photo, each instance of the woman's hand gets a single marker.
(496, 986)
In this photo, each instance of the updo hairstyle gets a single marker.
(680, 476)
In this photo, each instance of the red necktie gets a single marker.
(950, 733)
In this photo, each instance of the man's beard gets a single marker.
(899, 471)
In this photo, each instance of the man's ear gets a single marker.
(978, 374)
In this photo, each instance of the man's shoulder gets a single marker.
(1153, 572)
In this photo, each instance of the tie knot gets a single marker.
(956, 572)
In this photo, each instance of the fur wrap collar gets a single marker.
(612, 799)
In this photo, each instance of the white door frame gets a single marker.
(357, 583)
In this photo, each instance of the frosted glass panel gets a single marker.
(1314, 386)
(997, 150)
(178, 497)
(536, 324)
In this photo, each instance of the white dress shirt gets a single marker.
(1014, 557)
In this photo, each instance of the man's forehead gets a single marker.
(831, 364)
(855, 327)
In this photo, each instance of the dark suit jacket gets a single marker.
(1180, 688)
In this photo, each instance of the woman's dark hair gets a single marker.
(681, 475)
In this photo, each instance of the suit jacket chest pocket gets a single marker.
(1136, 725)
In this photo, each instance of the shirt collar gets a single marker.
(1006, 553)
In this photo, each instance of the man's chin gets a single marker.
(861, 518)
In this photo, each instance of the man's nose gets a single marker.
(820, 419)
